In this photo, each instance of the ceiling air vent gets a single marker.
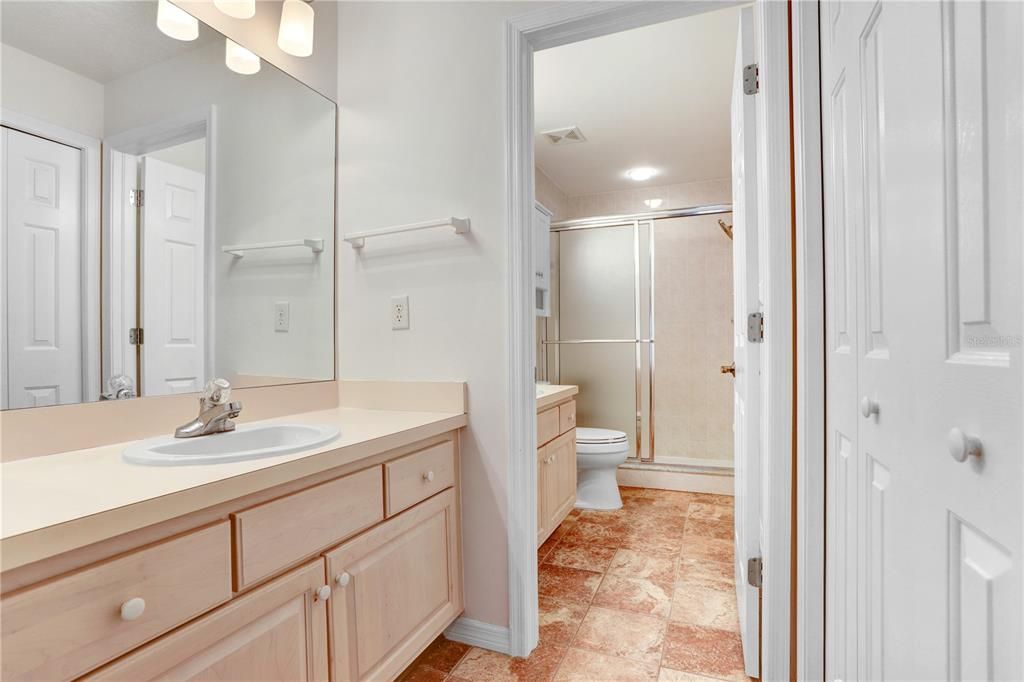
(564, 135)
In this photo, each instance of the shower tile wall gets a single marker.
(693, 400)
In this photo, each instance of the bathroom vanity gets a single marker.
(556, 456)
(341, 563)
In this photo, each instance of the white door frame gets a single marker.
(90, 192)
(571, 22)
(810, 343)
(183, 127)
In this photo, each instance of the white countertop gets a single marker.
(552, 394)
(59, 502)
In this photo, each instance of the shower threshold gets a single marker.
(709, 469)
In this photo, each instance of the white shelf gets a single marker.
(238, 250)
(358, 239)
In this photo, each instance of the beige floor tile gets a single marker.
(559, 620)
(706, 651)
(634, 594)
(580, 665)
(617, 633)
(479, 665)
(694, 605)
(567, 584)
(631, 563)
(587, 557)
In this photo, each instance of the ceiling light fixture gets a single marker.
(653, 203)
(176, 22)
(239, 9)
(641, 174)
(295, 34)
(239, 59)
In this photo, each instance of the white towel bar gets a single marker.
(358, 239)
(238, 250)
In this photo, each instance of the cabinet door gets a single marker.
(276, 632)
(542, 497)
(396, 588)
(562, 468)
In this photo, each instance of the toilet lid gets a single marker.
(598, 436)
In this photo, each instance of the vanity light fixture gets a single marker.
(176, 22)
(239, 59)
(295, 34)
(641, 174)
(239, 9)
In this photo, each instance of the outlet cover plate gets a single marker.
(400, 312)
(282, 316)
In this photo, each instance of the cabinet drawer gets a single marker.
(547, 425)
(278, 534)
(418, 476)
(65, 627)
(566, 416)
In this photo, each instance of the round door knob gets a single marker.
(429, 476)
(868, 407)
(343, 579)
(323, 593)
(962, 445)
(133, 608)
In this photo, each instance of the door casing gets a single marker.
(571, 22)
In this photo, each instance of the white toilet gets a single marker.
(599, 452)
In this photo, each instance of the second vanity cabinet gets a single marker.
(556, 466)
(348, 577)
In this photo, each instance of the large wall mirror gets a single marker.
(166, 219)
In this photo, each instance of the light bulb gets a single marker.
(641, 174)
(239, 9)
(295, 35)
(239, 59)
(176, 22)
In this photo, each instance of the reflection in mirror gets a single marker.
(166, 219)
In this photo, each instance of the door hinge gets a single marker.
(751, 83)
(135, 336)
(755, 327)
(137, 197)
(754, 572)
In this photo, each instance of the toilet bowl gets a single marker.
(599, 452)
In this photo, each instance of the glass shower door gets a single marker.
(599, 315)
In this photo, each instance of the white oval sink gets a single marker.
(250, 441)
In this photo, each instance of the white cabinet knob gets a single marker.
(962, 445)
(343, 579)
(133, 608)
(429, 476)
(868, 407)
(323, 593)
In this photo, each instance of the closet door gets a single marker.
(42, 233)
(923, 147)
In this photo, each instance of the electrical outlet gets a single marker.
(400, 312)
(282, 315)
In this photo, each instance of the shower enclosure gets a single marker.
(641, 321)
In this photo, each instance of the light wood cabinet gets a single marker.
(312, 599)
(276, 632)
(64, 627)
(556, 467)
(395, 587)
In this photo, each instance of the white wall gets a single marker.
(190, 155)
(422, 109)
(274, 175)
(51, 93)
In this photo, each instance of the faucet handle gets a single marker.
(217, 392)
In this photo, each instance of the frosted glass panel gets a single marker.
(597, 279)
(606, 375)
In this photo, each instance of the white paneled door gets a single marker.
(923, 129)
(746, 355)
(42, 259)
(173, 276)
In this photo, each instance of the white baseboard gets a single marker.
(478, 633)
(718, 484)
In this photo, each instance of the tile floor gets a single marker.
(642, 593)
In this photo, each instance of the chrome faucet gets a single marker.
(216, 410)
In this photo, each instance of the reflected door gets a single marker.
(173, 278)
(42, 259)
